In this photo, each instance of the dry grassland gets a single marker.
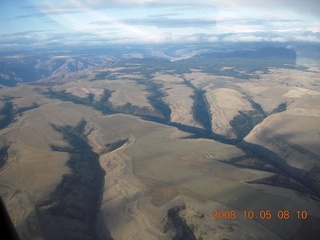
(155, 171)
(129, 92)
(267, 95)
(298, 126)
(205, 81)
(298, 92)
(285, 133)
(124, 91)
(33, 170)
(129, 203)
(308, 78)
(152, 173)
(167, 78)
(83, 92)
(178, 98)
(130, 76)
(180, 102)
(225, 104)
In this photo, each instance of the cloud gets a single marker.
(98, 22)
(20, 17)
(239, 25)
(62, 12)
(272, 37)
(164, 22)
(307, 37)
(306, 6)
(243, 38)
(52, 39)
(164, 15)
(25, 39)
(48, 39)
(45, 14)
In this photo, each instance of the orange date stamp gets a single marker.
(259, 215)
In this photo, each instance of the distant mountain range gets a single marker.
(30, 66)
(265, 52)
(20, 69)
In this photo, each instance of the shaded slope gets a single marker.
(71, 210)
(309, 180)
(176, 226)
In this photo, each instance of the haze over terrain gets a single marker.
(160, 120)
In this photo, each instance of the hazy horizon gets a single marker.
(52, 23)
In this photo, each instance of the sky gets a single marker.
(50, 23)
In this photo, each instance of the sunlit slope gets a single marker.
(225, 104)
(154, 170)
(152, 138)
(173, 171)
(293, 136)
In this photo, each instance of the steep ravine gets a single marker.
(71, 210)
(246, 123)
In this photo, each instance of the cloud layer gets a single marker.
(40, 23)
(306, 6)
